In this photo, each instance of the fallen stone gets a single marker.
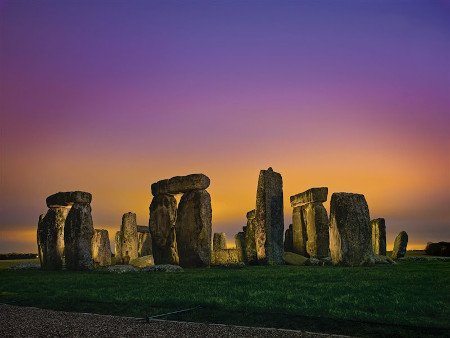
(270, 218)
(121, 268)
(26, 266)
(143, 262)
(249, 239)
(299, 232)
(291, 258)
(193, 229)
(226, 257)
(101, 248)
(438, 249)
(64, 199)
(288, 240)
(350, 231)
(144, 243)
(313, 195)
(163, 268)
(314, 262)
(181, 184)
(400, 244)
(382, 259)
(378, 236)
(129, 245)
(219, 241)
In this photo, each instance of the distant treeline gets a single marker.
(15, 255)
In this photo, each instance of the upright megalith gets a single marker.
(310, 223)
(239, 240)
(163, 214)
(118, 247)
(181, 184)
(269, 217)
(288, 240)
(350, 231)
(101, 248)
(250, 239)
(144, 241)
(400, 244)
(219, 241)
(129, 236)
(378, 236)
(193, 229)
(41, 237)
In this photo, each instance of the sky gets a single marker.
(111, 96)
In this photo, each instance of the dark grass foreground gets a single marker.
(408, 299)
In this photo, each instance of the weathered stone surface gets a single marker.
(118, 247)
(400, 244)
(163, 214)
(181, 184)
(270, 218)
(41, 236)
(163, 268)
(174, 258)
(144, 244)
(51, 238)
(219, 241)
(78, 233)
(382, 259)
(313, 195)
(226, 257)
(299, 237)
(350, 231)
(129, 245)
(63, 199)
(239, 240)
(378, 236)
(143, 228)
(288, 240)
(101, 248)
(438, 249)
(193, 229)
(317, 229)
(312, 261)
(294, 259)
(250, 239)
(121, 268)
(142, 262)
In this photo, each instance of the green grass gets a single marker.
(407, 299)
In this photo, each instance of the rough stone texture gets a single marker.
(78, 233)
(63, 199)
(226, 257)
(41, 235)
(181, 184)
(270, 219)
(142, 262)
(51, 238)
(382, 259)
(249, 238)
(118, 247)
(101, 248)
(313, 195)
(144, 244)
(174, 259)
(378, 236)
(299, 237)
(350, 231)
(163, 268)
(294, 259)
(317, 229)
(288, 240)
(143, 228)
(239, 240)
(219, 241)
(163, 214)
(438, 249)
(129, 245)
(193, 229)
(121, 268)
(400, 244)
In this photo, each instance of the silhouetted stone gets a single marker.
(163, 214)
(291, 258)
(143, 262)
(299, 237)
(438, 249)
(400, 244)
(249, 238)
(288, 240)
(239, 240)
(118, 247)
(41, 237)
(181, 184)
(101, 248)
(226, 257)
(193, 229)
(144, 243)
(63, 199)
(219, 241)
(269, 216)
(378, 236)
(78, 233)
(350, 231)
(129, 245)
(313, 195)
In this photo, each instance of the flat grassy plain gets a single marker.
(407, 299)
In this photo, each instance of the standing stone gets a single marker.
(193, 229)
(350, 231)
(41, 235)
(163, 214)
(250, 239)
(378, 236)
(269, 216)
(101, 248)
(288, 240)
(78, 235)
(173, 247)
(219, 241)
(239, 240)
(144, 244)
(299, 237)
(400, 244)
(51, 238)
(129, 236)
(118, 247)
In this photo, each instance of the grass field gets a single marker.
(407, 299)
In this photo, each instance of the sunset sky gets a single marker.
(111, 96)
